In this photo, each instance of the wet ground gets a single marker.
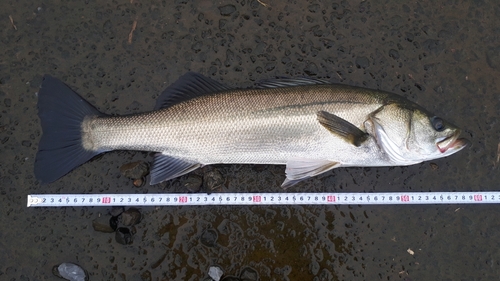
(444, 55)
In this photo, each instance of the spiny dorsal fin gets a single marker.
(289, 82)
(188, 86)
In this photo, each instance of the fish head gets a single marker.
(409, 134)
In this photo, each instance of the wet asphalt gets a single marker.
(120, 55)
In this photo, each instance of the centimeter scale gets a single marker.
(323, 198)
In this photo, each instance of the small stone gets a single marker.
(70, 271)
(410, 251)
(26, 143)
(215, 273)
(123, 236)
(227, 10)
(116, 211)
(135, 170)
(249, 274)
(139, 182)
(113, 222)
(493, 57)
(362, 62)
(209, 237)
(193, 183)
(311, 69)
(394, 54)
(103, 224)
(130, 217)
(213, 179)
(434, 166)
(314, 267)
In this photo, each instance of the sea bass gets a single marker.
(309, 125)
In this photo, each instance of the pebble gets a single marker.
(106, 224)
(311, 69)
(130, 217)
(209, 237)
(249, 274)
(116, 211)
(213, 179)
(123, 236)
(227, 10)
(362, 62)
(434, 166)
(139, 182)
(135, 170)
(493, 57)
(70, 271)
(193, 183)
(113, 222)
(314, 267)
(394, 54)
(215, 273)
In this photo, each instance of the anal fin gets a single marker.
(166, 167)
(301, 169)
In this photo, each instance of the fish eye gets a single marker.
(437, 123)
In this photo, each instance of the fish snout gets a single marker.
(453, 142)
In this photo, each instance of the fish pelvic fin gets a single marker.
(342, 128)
(167, 167)
(300, 169)
(61, 112)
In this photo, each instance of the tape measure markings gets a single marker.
(198, 199)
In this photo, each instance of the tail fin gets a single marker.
(61, 112)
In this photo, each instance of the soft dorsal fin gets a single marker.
(188, 86)
(289, 82)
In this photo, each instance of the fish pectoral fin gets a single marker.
(166, 167)
(342, 128)
(301, 169)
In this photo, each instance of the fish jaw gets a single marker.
(452, 144)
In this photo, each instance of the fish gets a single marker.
(310, 125)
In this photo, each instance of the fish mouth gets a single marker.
(452, 143)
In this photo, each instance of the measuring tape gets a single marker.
(197, 199)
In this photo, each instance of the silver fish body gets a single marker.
(309, 125)
(259, 126)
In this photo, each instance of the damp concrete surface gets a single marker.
(120, 55)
